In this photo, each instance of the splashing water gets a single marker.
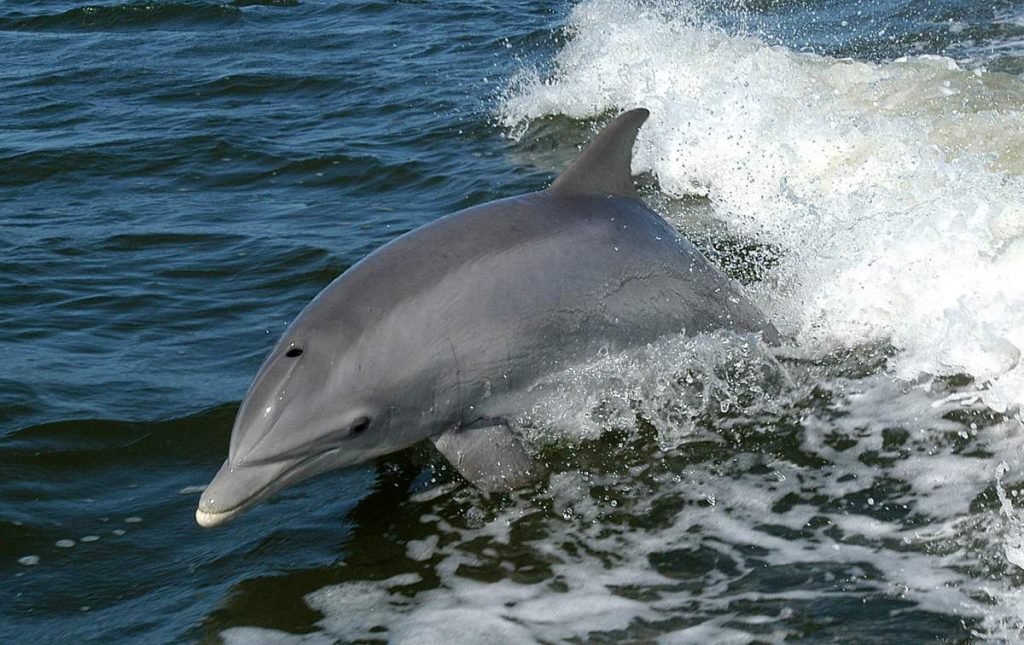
(893, 191)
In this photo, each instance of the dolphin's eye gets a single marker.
(360, 426)
(293, 352)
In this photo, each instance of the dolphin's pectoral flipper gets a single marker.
(488, 454)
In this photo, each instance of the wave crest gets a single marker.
(893, 190)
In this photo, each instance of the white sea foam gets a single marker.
(1013, 16)
(885, 507)
(894, 195)
(893, 191)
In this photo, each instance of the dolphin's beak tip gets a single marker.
(237, 487)
(203, 519)
(207, 520)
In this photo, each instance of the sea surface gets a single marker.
(178, 179)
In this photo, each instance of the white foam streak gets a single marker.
(939, 563)
(893, 190)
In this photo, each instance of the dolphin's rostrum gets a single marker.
(434, 335)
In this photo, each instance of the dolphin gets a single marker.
(436, 334)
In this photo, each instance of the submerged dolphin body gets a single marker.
(434, 335)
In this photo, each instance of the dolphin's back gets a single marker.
(514, 289)
(519, 287)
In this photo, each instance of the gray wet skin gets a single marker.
(436, 334)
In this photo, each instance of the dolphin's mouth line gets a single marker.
(213, 518)
(305, 453)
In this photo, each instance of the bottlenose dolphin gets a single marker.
(435, 334)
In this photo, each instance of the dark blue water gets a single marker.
(178, 179)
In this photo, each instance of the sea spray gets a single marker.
(893, 190)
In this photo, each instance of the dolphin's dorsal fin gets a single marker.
(604, 165)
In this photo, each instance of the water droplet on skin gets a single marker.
(29, 560)
(132, 520)
(90, 538)
(64, 544)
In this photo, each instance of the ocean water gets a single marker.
(177, 179)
